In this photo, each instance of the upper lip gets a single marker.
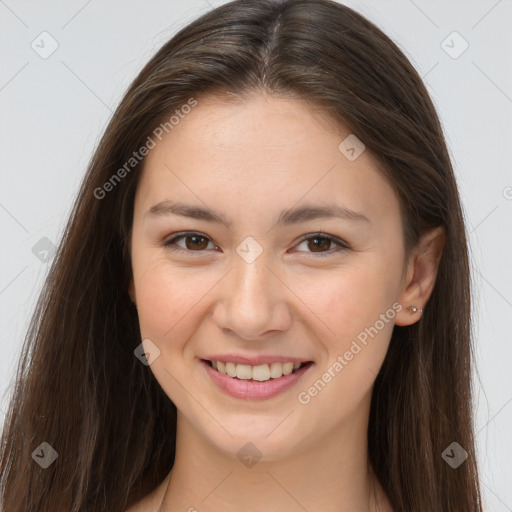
(255, 360)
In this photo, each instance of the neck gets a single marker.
(331, 474)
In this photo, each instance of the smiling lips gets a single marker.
(255, 382)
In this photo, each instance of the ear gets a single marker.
(421, 275)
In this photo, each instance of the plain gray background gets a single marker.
(55, 108)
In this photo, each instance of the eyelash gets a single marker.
(342, 245)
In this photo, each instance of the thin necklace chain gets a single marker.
(160, 509)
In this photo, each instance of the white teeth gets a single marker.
(260, 372)
(276, 370)
(243, 371)
(287, 368)
(231, 369)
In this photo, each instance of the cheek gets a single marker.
(351, 306)
(347, 301)
(157, 302)
(167, 300)
(168, 305)
(356, 304)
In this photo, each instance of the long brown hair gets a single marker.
(79, 387)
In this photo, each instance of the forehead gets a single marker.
(261, 150)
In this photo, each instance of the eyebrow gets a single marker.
(286, 217)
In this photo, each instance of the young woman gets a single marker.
(261, 300)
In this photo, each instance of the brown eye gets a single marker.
(318, 244)
(194, 242)
(322, 244)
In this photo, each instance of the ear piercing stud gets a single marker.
(413, 309)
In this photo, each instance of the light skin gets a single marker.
(247, 160)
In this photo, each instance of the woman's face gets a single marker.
(261, 283)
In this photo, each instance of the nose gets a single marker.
(253, 301)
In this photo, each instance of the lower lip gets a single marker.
(251, 389)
